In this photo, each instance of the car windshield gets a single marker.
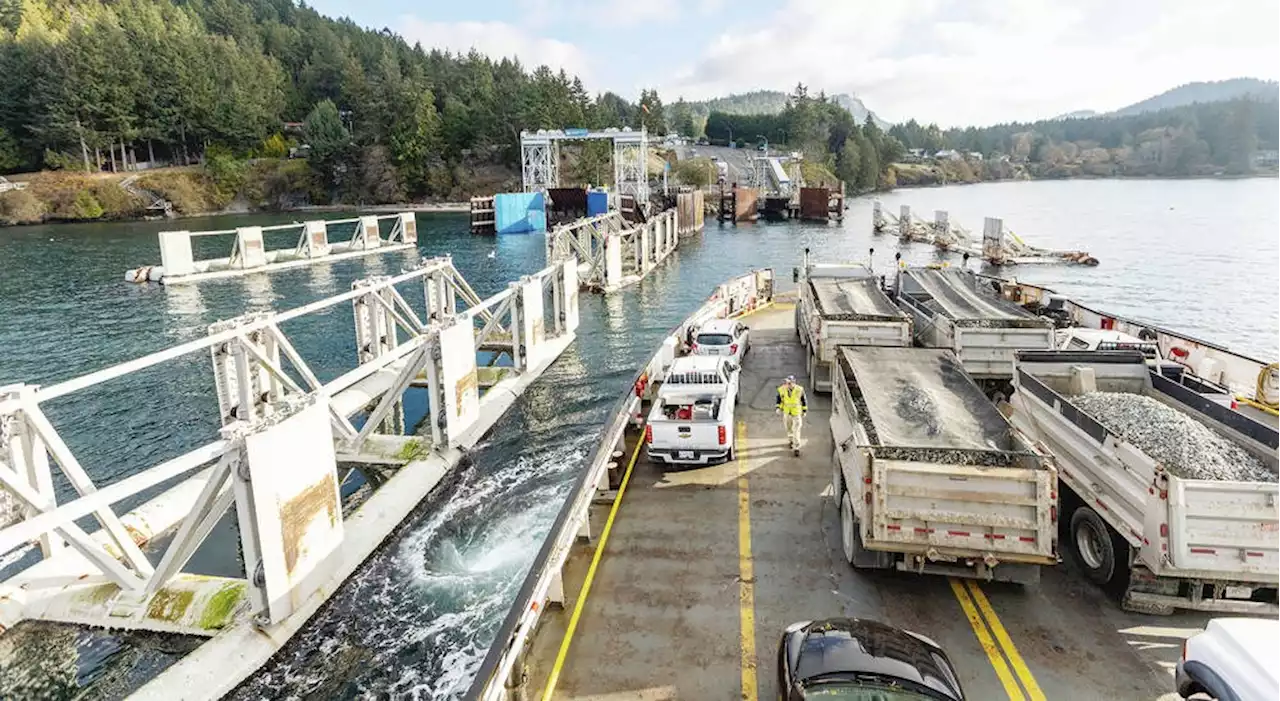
(864, 691)
(714, 339)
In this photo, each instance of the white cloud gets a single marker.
(602, 13)
(496, 40)
(961, 62)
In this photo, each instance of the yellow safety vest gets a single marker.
(790, 400)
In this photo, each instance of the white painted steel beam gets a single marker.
(95, 553)
(216, 667)
(85, 487)
(213, 502)
(15, 535)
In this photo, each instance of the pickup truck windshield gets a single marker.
(714, 339)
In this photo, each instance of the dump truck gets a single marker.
(953, 309)
(929, 475)
(843, 305)
(1170, 496)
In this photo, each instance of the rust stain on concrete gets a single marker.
(298, 513)
(468, 382)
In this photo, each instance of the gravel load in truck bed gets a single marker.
(854, 300)
(922, 398)
(955, 293)
(1186, 447)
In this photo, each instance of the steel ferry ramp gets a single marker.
(695, 574)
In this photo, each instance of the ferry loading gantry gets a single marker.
(540, 159)
(274, 413)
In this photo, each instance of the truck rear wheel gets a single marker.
(1093, 545)
(849, 536)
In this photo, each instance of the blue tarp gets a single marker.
(597, 202)
(519, 212)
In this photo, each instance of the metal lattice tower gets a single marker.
(630, 155)
(540, 158)
(541, 162)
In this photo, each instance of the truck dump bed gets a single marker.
(854, 300)
(933, 471)
(1200, 529)
(952, 310)
(921, 397)
(955, 294)
(839, 309)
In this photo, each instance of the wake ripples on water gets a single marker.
(418, 618)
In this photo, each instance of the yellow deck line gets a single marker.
(563, 654)
(746, 575)
(988, 645)
(1002, 637)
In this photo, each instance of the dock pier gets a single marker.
(998, 246)
(249, 253)
(298, 545)
(615, 252)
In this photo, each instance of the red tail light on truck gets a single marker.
(648, 434)
(724, 434)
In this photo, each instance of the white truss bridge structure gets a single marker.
(274, 463)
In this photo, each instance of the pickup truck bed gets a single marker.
(935, 478)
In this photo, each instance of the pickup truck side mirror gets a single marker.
(795, 275)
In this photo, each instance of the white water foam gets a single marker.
(418, 621)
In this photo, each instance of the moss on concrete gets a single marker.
(414, 450)
(170, 605)
(217, 613)
(101, 594)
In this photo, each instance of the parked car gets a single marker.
(861, 659)
(722, 337)
(1232, 659)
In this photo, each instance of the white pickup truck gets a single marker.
(691, 422)
(842, 304)
(1231, 660)
(1162, 540)
(930, 477)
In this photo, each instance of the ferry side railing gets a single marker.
(1242, 374)
(257, 389)
(502, 667)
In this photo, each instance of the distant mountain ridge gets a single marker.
(1078, 114)
(1191, 93)
(773, 101)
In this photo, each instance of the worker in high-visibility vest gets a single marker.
(792, 406)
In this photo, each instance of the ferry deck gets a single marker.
(702, 570)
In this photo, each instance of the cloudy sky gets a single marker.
(954, 62)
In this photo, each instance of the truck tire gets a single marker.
(1093, 546)
(850, 535)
